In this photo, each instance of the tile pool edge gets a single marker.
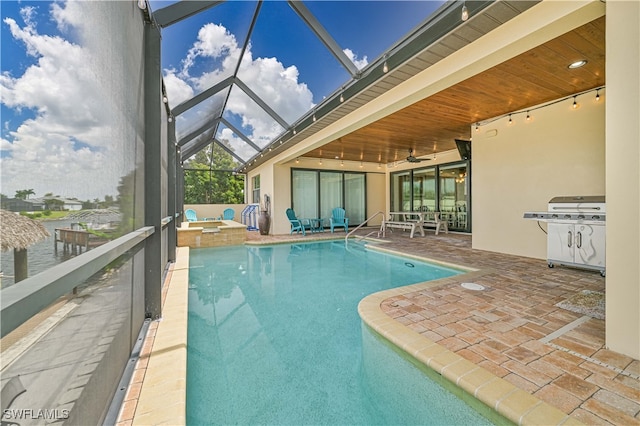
(495, 393)
(163, 397)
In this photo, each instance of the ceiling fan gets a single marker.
(412, 159)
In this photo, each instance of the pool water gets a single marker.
(274, 337)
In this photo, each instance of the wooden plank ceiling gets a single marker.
(431, 125)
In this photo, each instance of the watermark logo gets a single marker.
(35, 414)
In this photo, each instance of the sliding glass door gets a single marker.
(330, 192)
(316, 193)
(453, 195)
(444, 188)
(304, 184)
(401, 191)
(355, 197)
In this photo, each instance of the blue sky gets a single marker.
(285, 64)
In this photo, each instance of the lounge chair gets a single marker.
(338, 220)
(228, 214)
(296, 224)
(190, 215)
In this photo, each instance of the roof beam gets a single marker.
(181, 10)
(240, 134)
(206, 126)
(324, 36)
(179, 109)
(262, 104)
(229, 150)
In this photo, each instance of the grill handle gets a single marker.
(569, 238)
(581, 208)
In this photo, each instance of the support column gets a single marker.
(172, 188)
(623, 177)
(153, 171)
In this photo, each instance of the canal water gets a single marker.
(40, 256)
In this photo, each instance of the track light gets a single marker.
(510, 120)
(597, 95)
(575, 104)
(465, 12)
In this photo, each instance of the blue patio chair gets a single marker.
(338, 220)
(296, 224)
(190, 215)
(228, 214)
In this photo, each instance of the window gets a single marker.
(255, 193)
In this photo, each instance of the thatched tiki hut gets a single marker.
(19, 232)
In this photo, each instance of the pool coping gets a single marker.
(508, 400)
(162, 398)
(163, 393)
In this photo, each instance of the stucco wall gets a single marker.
(520, 167)
(623, 178)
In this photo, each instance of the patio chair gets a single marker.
(338, 220)
(296, 224)
(228, 214)
(190, 215)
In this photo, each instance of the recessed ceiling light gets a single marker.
(578, 64)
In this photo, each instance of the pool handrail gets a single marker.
(346, 238)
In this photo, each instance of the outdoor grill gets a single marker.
(575, 231)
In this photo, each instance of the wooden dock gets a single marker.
(72, 240)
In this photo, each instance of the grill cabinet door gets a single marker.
(590, 245)
(561, 242)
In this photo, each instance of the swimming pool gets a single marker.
(274, 337)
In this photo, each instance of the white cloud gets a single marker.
(65, 146)
(359, 63)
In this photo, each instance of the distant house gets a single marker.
(20, 205)
(58, 203)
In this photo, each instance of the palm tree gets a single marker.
(23, 194)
